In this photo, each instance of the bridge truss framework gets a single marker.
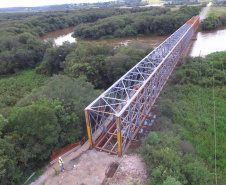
(115, 117)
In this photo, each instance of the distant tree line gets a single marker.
(158, 21)
(75, 6)
(219, 2)
(181, 2)
(42, 22)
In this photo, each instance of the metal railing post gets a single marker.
(119, 137)
(88, 125)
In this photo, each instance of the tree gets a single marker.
(75, 95)
(3, 123)
(116, 66)
(129, 31)
(54, 57)
(9, 171)
(171, 181)
(7, 62)
(24, 58)
(88, 60)
(67, 97)
(38, 129)
(211, 22)
(167, 164)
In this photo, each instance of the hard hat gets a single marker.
(59, 157)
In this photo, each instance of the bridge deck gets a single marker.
(117, 115)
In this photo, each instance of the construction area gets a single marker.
(91, 167)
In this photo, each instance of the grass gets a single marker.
(193, 107)
(36, 176)
(56, 172)
(108, 37)
(33, 178)
(218, 11)
(13, 87)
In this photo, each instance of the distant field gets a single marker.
(154, 1)
(175, 8)
(218, 11)
(159, 1)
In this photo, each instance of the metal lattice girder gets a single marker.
(117, 115)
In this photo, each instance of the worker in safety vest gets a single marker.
(61, 163)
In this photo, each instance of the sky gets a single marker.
(33, 3)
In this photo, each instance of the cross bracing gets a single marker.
(115, 117)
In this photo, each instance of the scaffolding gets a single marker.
(115, 117)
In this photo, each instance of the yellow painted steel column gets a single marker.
(88, 125)
(119, 137)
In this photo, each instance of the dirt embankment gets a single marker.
(92, 167)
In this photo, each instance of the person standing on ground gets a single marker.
(61, 163)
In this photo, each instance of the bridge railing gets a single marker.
(117, 115)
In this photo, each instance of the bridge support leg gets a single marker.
(119, 138)
(88, 125)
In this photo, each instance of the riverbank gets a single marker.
(206, 41)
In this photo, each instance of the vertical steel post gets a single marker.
(119, 137)
(88, 125)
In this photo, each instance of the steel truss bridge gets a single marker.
(115, 117)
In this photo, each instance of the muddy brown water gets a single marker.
(207, 41)
(63, 35)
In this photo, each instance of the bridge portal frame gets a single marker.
(115, 117)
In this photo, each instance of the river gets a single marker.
(207, 41)
(63, 35)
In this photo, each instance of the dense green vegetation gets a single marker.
(213, 22)
(42, 22)
(16, 86)
(101, 63)
(159, 21)
(39, 109)
(41, 122)
(216, 18)
(181, 147)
